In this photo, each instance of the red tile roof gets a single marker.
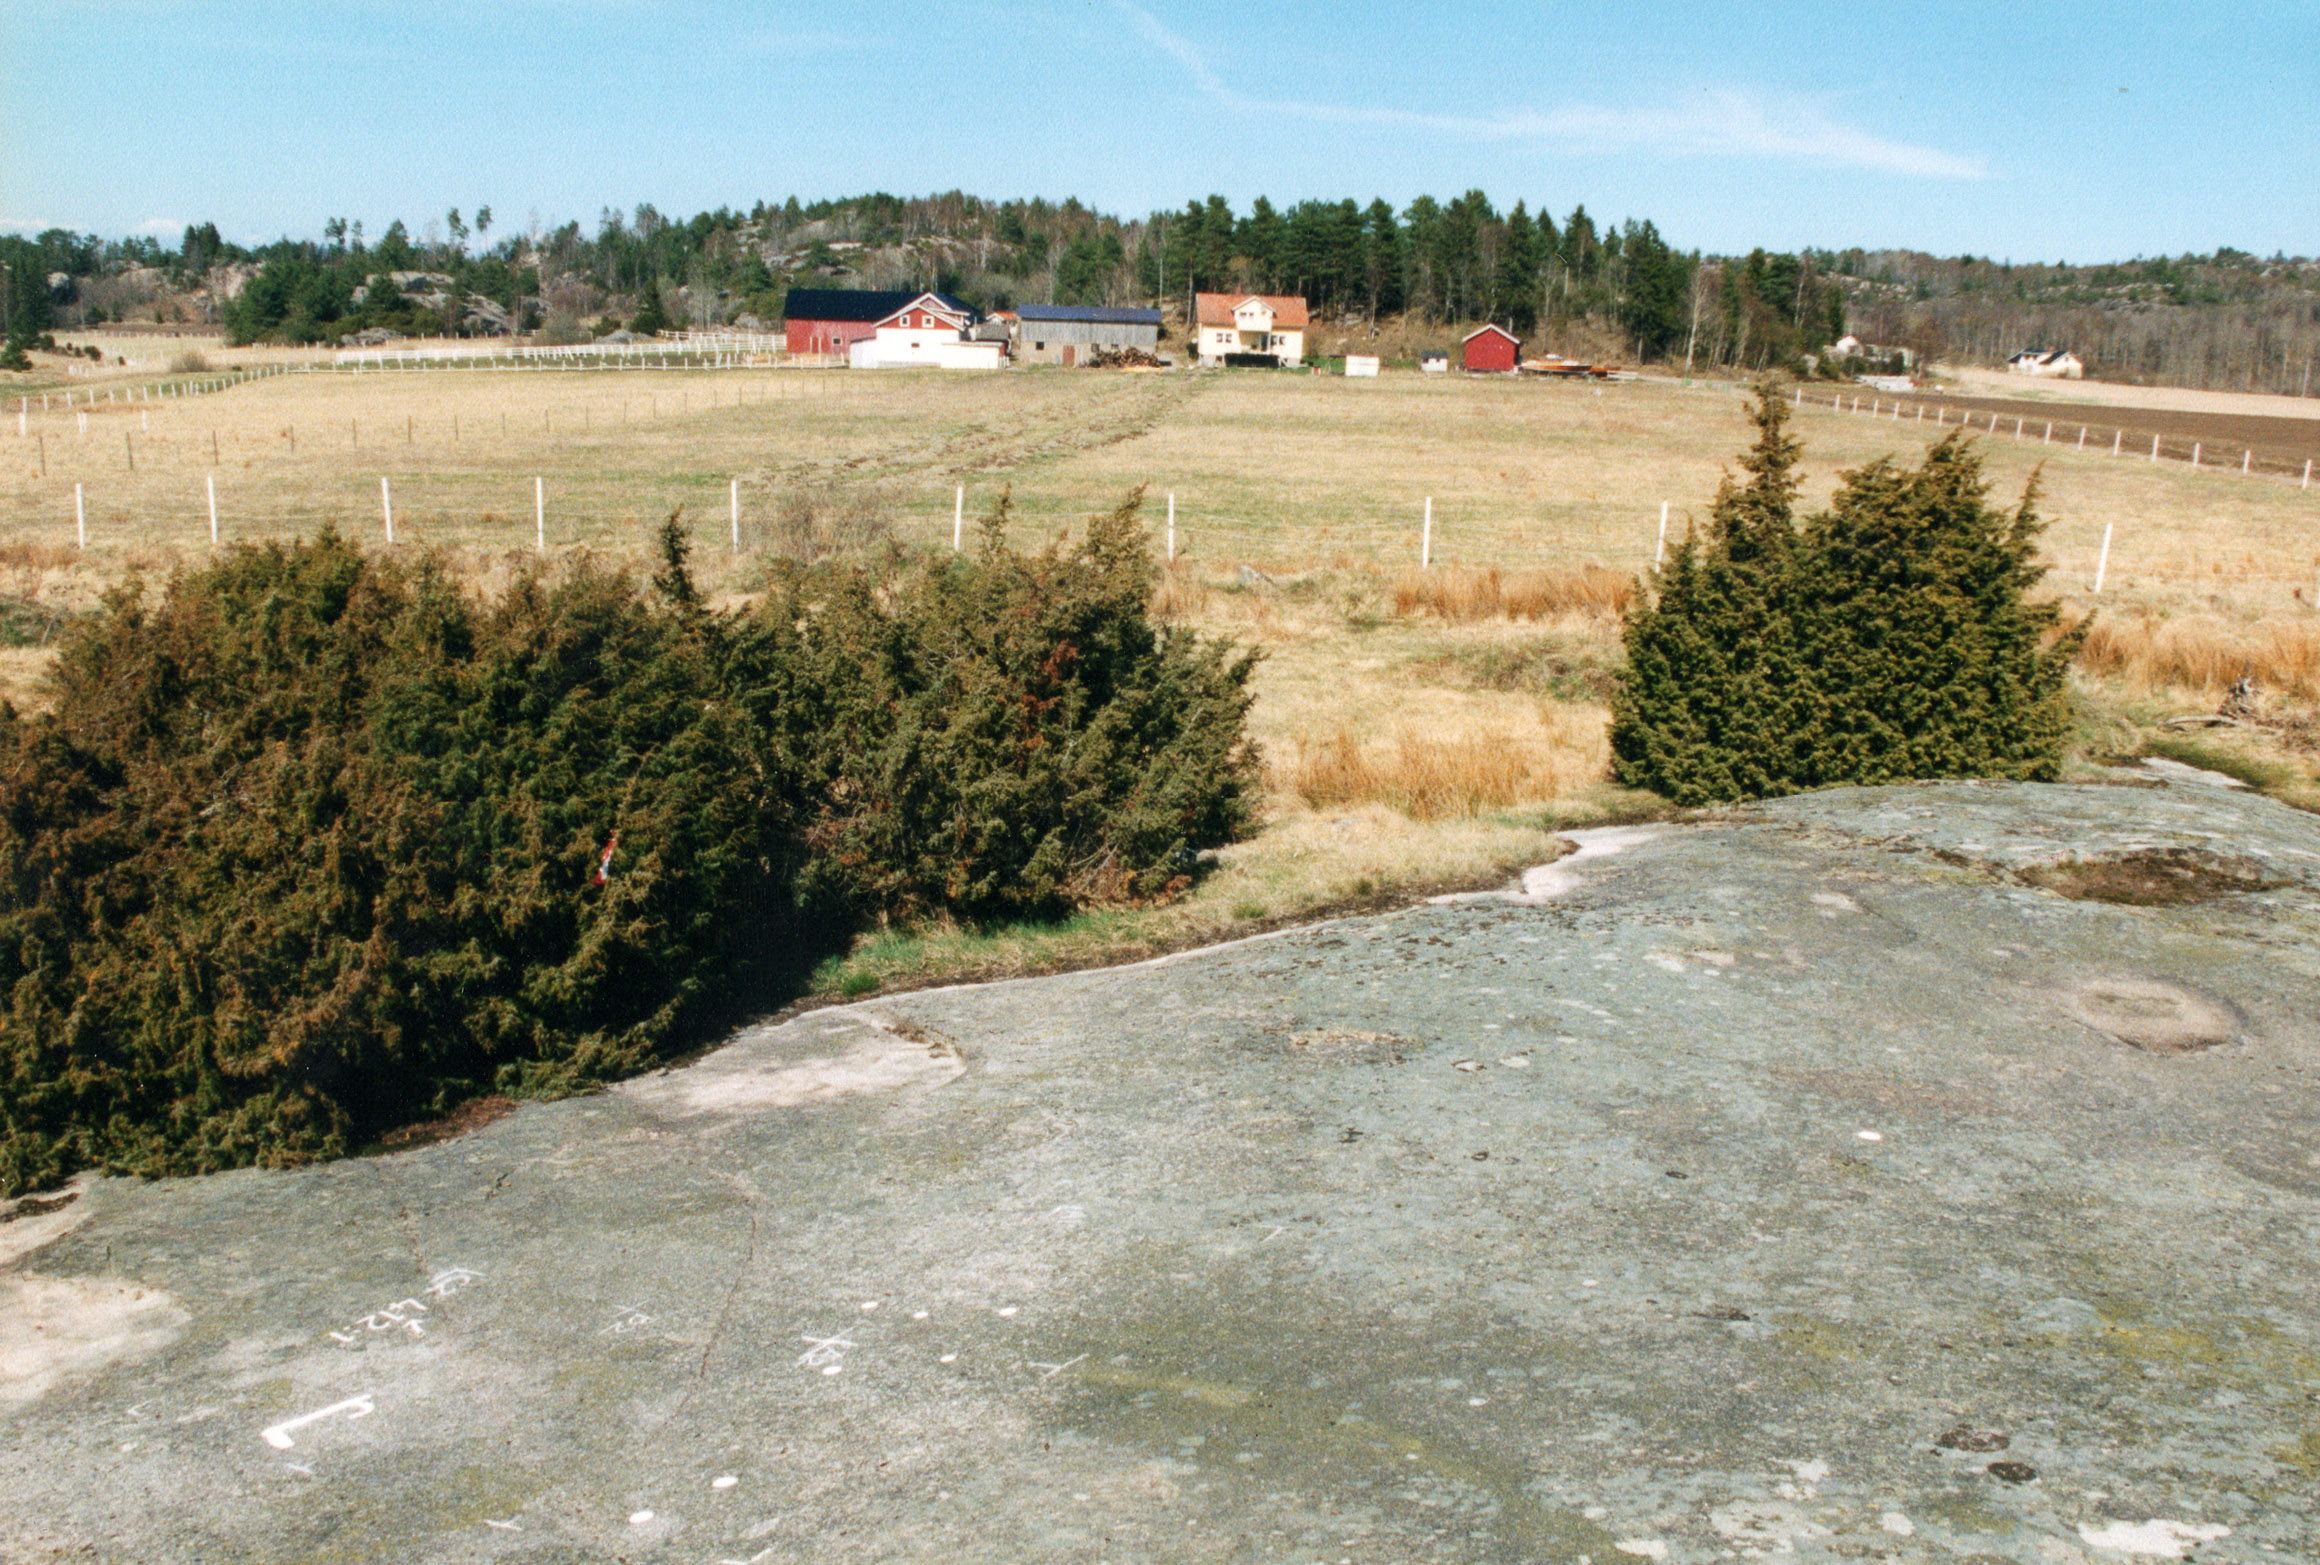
(1216, 309)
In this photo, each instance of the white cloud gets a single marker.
(1718, 124)
(169, 226)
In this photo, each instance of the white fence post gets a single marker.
(1426, 538)
(2103, 561)
(959, 516)
(2154, 448)
(2195, 455)
(1659, 555)
(734, 501)
(387, 507)
(211, 481)
(2307, 483)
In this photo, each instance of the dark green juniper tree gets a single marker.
(317, 842)
(1886, 638)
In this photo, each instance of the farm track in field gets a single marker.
(1117, 410)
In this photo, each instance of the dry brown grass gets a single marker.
(1433, 774)
(1460, 593)
(1407, 718)
(2202, 653)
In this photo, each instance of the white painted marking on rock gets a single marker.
(450, 1280)
(822, 1351)
(639, 1518)
(723, 1481)
(278, 1435)
(1870, 1135)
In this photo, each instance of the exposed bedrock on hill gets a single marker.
(1871, 1174)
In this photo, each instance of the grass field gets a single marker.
(1421, 728)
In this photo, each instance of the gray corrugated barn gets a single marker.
(1068, 333)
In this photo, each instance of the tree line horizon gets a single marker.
(2229, 318)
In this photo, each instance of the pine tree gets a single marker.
(651, 316)
(1518, 271)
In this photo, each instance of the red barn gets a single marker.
(1492, 350)
(830, 320)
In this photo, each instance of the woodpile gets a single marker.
(1125, 358)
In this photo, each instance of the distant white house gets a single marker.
(1261, 324)
(930, 331)
(1359, 364)
(2047, 361)
(1852, 347)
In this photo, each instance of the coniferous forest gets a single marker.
(1569, 279)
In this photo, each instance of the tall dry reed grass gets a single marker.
(1431, 776)
(1461, 593)
(2198, 652)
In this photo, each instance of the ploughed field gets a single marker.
(2282, 444)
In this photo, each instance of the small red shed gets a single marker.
(1492, 350)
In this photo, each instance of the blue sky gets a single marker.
(2053, 130)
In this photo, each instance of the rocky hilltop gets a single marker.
(1909, 1173)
